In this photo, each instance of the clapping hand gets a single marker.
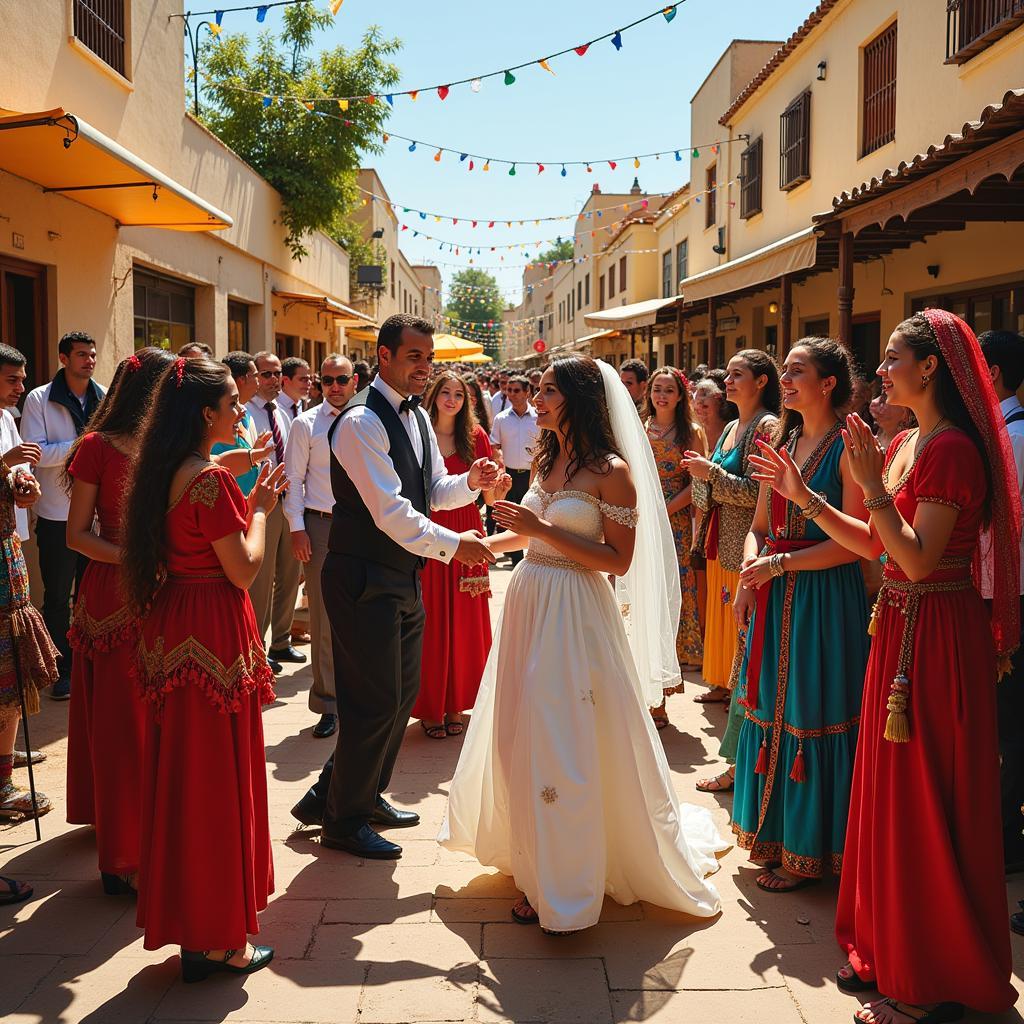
(696, 465)
(483, 475)
(780, 472)
(269, 485)
(21, 453)
(502, 487)
(263, 448)
(865, 456)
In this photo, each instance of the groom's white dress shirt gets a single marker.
(361, 446)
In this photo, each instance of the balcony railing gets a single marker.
(974, 25)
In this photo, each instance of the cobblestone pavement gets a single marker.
(427, 938)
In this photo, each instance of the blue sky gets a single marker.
(606, 104)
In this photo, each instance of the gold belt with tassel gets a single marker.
(906, 596)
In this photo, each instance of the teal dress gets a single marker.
(794, 762)
(247, 481)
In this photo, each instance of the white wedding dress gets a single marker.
(563, 781)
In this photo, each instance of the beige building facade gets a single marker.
(121, 215)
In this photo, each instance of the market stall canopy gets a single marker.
(478, 357)
(66, 155)
(629, 318)
(344, 315)
(786, 256)
(450, 349)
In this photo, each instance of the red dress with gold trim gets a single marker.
(457, 635)
(206, 867)
(106, 725)
(922, 901)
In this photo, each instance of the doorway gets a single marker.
(866, 342)
(23, 316)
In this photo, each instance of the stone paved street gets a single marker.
(427, 938)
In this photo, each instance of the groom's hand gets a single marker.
(472, 550)
(483, 474)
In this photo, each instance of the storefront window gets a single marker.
(165, 311)
(985, 309)
(238, 326)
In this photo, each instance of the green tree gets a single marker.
(311, 160)
(476, 304)
(563, 249)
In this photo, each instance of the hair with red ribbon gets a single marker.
(179, 369)
(132, 364)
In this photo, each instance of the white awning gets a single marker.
(344, 315)
(629, 318)
(786, 256)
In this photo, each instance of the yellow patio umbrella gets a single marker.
(450, 349)
(480, 357)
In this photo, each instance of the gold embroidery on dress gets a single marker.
(205, 490)
(156, 662)
(628, 517)
(475, 586)
(549, 794)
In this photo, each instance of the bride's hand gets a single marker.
(517, 519)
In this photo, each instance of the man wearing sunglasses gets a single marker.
(308, 503)
(276, 586)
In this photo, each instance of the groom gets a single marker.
(386, 474)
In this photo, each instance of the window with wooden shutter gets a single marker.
(667, 291)
(795, 143)
(622, 274)
(100, 25)
(879, 113)
(682, 260)
(750, 180)
(972, 26)
(710, 196)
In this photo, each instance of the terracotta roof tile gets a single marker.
(812, 21)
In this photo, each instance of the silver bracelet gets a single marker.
(815, 506)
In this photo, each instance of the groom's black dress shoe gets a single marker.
(288, 654)
(385, 814)
(310, 809)
(327, 726)
(365, 843)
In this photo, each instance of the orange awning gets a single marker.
(344, 315)
(66, 155)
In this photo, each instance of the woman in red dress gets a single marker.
(457, 638)
(106, 724)
(922, 903)
(205, 869)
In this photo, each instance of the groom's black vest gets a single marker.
(353, 531)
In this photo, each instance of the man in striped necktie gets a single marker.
(276, 586)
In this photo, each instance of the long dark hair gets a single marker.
(831, 358)
(465, 420)
(684, 410)
(173, 428)
(125, 404)
(584, 418)
(917, 332)
(481, 406)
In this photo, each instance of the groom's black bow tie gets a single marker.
(408, 404)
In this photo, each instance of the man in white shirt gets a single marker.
(1004, 353)
(386, 475)
(499, 400)
(296, 380)
(54, 416)
(308, 505)
(514, 434)
(276, 586)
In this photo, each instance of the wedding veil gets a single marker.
(650, 589)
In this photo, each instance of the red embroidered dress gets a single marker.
(922, 901)
(206, 867)
(457, 636)
(106, 726)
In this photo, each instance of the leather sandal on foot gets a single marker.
(17, 892)
(764, 882)
(196, 966)
(853, 983)
(710, 698)
(454, 728)
(16, 803)
(715, 785)
(940, 1013)
(520, 917)
(435, 732)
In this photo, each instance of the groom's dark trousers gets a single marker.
(376, 617)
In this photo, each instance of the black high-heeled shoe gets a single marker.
(197, 966)
(117, 885)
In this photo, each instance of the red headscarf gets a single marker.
(962, 354)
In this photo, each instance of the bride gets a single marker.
(563, 782)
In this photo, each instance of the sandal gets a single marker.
(17, 892)
(454, 728)
(523, 912)
(660, 721)
(197, 966)
(710, 698)
(940, 1013)
(715, 785)
(435, 732)
(853, 983)
(21, 758)
(765, 879)
(16, 804)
